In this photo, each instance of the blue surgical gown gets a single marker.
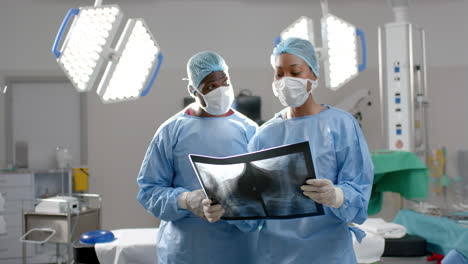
(339, 153)
(166, 172)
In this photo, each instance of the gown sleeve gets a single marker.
(355, 172)
(155, 180)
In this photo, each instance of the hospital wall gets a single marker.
(2, 130)
(243, 32)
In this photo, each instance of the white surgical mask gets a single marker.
(292, 91)
(218, 101)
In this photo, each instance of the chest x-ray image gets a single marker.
(262, 184)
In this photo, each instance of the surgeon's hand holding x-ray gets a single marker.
(323, 191)
(212, 212)
(193, 201)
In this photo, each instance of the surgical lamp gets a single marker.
(301, 28)
(96, 52)
(339, 49)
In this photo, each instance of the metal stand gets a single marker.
(62, 228)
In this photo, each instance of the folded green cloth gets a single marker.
(400, 172)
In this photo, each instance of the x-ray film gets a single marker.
(262, 184)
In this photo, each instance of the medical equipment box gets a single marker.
(58, 204)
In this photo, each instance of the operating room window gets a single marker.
(44, 115)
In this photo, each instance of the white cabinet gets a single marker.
(18, 192)
(15, 180)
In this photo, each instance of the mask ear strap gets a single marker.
(191, 90)
(313, 84)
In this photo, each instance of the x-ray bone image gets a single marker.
(263, 184)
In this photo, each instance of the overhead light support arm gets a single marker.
(98, 3)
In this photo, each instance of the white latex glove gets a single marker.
(193, 201)
(323, 191)
(212, 212)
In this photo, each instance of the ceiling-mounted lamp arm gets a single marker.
(112, 55)
(324, 4)
(98, 3)
(321, 53)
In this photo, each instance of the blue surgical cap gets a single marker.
(202, 64)
(299, 47)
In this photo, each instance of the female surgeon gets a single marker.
(343, 167)
(169, 188)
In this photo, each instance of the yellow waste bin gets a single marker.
(80, 179)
